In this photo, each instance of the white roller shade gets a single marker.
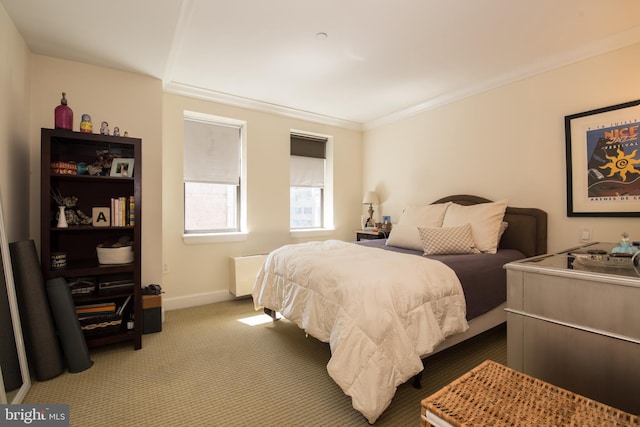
(211, 152)
(307, 171)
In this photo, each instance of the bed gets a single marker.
(383, 305)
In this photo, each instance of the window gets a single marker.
(307, 192)
(212, 174)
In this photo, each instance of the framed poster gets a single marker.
(603, 161)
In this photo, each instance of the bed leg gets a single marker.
(416, 383)
(271, 313)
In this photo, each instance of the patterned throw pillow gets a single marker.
(448, 240)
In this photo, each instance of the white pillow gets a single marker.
(485, 219)
(405, 233)
(448, 240)
(405, 236)
(424, 216)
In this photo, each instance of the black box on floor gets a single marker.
(151, 314)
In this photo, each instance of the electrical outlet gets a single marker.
(165, 268)
(585, 234)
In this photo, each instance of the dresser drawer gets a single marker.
(594, 365)
(603, 306)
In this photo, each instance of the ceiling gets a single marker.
(380, 60)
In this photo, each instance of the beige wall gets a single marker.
(130, 101)
(199, 273)
(505, 143)
(14, 129)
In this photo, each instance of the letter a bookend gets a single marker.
(101, 217)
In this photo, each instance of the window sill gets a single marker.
(311, 232)
(195, 239)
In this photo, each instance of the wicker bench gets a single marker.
(494, 395)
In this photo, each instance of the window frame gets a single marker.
(221, 235)
(327, 197)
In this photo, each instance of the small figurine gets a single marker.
(625, 246)
(73, 215)
(95, 169)
(126, 134)
(104, 128)
(85, 125)
(70, 214)
(82, 168)
(116, 131)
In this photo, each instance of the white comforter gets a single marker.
(380, 311)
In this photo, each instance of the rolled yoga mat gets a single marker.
(74, 346)
(41, 343)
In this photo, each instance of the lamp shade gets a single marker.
(370, 197)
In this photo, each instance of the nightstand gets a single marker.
(369, 235)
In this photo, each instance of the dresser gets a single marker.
(576, 326)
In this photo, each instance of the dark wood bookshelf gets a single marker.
(79, 242)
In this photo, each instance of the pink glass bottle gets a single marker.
(63, 115)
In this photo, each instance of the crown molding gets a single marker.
(617, 41)
(238, 101)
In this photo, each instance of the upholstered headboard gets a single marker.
(527, 230)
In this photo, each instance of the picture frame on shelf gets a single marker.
(122, 167)
(603, 161)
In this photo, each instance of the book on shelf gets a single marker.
(94, 315)
(132, 211)
(122, 211)
(99, 309)
(96, 305)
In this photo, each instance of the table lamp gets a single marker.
(370, 198)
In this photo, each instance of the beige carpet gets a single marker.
(208, 369)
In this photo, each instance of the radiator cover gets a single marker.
(244, 270)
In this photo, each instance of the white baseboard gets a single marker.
(196, 299)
